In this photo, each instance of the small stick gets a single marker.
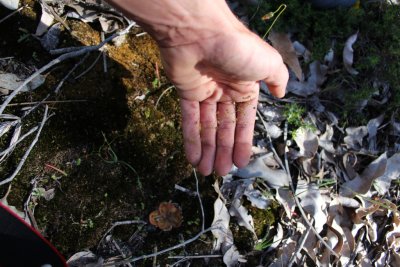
(300, 246)
(160, 252)
(56, 61)
(163, 93)
(303, 214)
(46, 102)
(64, 50)
(104, 55)
(183, 244)
(292, 187)
(25, 156)
(195, 257)
(155, 257)
(61, 83)
(141, 34)
(12, 13)
(115, 224)
(6, 58)
(4, 153)
(120, 250)
(90, 67)
(56, 169)
(201, 203)
(185, 190)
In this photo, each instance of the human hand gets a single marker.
(216, 64)
(217, 82)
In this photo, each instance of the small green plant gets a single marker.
(156, 83)
(107, 154)
(294, 114)
(263, 244)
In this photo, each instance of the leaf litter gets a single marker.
(343, 178)
(344, 175)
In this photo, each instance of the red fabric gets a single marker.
(23, 240)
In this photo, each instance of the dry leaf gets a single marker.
(242, 215)
(273, 130)
(307, 141)
(85, 259)
(372, 127)
(325, 140)
(355, 135)
(10, 81)
(311, 86)
(312, 202)
(220, 226)
(10, 4)
(285, 197)
(348, 54)
(362, 183)
(392, 172)
(282, 43)
(256, 198)
(301, 50)
(232, 257)
(257, 168)
(46, 20)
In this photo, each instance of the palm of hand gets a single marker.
(217, 81)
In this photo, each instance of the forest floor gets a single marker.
(112, 149)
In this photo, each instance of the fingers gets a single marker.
(225, 137)
(245, 119)
(191, 130)
(208, 130)
(212, 144)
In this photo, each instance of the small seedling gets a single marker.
(107, 154)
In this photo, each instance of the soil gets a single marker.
(110, 156)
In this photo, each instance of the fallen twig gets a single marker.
(182, 244)
(115, 224)
(56, 169)
(300, 245)
(201, 203)
(12, 13)
(114, 263)
(303, 214)
(163, 93)
(104, 55)
(5, 152)
(25, 156)
(286, 168)
(46, 102)
(89, 68)
(30, 213)
(61, 83)
(81, 51)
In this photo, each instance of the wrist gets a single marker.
(179, 22)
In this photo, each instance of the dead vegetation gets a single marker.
(83, 84)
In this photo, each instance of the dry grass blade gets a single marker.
(28, 151)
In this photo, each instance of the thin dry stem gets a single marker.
(25, 156)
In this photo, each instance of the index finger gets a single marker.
(191, 130)
(245, 120)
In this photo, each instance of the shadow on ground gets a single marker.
(83, 140)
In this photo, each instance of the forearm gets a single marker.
(177, 22)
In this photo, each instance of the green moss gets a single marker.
(376, 51)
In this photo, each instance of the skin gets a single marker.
(216, 64)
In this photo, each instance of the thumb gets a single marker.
(277, 81)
